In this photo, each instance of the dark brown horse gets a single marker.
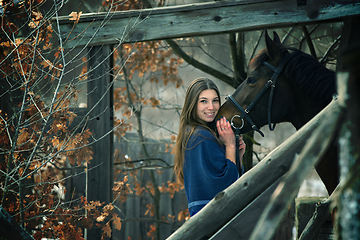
(284, 85)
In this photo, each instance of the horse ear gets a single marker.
(277, 38)
(271, 46)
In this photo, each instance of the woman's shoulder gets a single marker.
(202, 133)
(203, 130)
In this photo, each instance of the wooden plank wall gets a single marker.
(135, 207)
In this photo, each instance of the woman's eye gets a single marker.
(251, 80)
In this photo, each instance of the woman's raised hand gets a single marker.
(226, 134)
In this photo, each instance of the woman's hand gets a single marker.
(226, 134)
(242, 147)
(227, 137)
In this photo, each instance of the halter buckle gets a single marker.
(232, 123)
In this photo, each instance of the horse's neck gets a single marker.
(306, 109)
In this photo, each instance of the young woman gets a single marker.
(204, 163)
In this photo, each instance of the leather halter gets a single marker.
(271, 82)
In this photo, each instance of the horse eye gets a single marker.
(251, 80)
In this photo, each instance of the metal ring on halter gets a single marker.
(232, 123)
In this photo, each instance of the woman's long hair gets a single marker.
(189, 121)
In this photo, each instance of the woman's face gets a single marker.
(208, 105)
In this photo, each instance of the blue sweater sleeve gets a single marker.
(206, 169)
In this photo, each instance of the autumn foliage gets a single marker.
(42, 137)
(38, 139)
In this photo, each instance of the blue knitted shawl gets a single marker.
(206, 169)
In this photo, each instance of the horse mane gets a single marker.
(309, 74)
(312, 77)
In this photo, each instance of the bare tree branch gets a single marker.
(205, 68)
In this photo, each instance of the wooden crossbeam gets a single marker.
(199, 20)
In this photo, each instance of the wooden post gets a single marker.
(305, 208)
(100, 102)
(348, 73)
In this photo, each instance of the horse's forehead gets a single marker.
(257, 61)
(257, 71)
(253, 64)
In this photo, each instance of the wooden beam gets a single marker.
(10, 229)
(198, 20)
(249, 217)
(228, 203)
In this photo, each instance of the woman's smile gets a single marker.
(208, 105)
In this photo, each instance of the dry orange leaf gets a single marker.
(100, 218)
(107, 230)
(75, 16)
(117, 221)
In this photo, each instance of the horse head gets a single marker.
(275, 90)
